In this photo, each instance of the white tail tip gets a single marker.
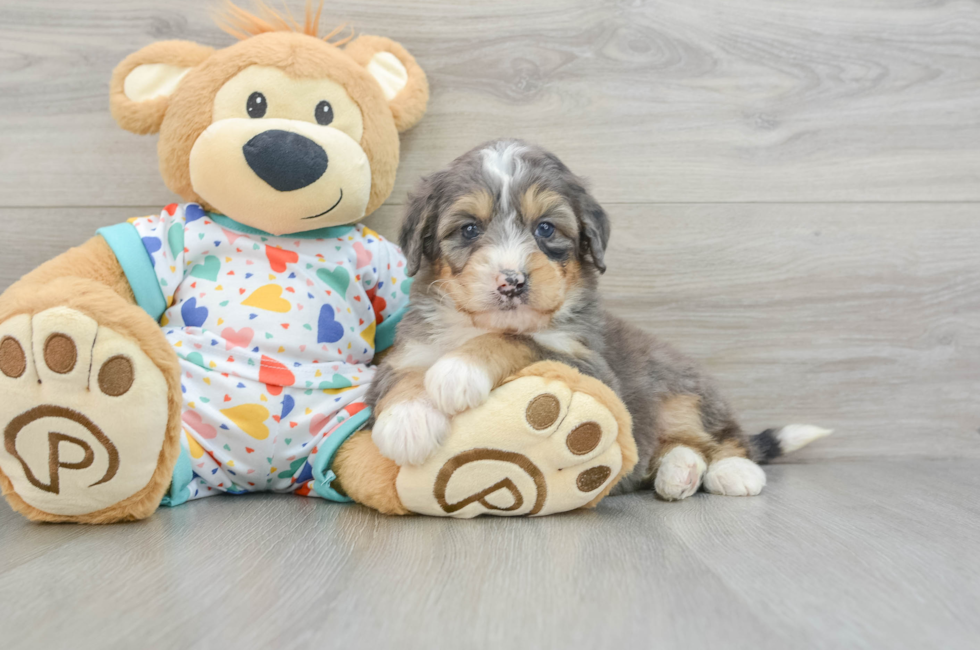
(793, 436)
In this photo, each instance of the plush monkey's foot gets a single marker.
(84, 417)
(547, 441)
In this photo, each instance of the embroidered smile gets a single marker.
(330, 208)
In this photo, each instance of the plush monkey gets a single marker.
(226, 344)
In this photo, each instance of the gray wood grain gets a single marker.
(836, 555)
(656, 101)
(795, 191)
(859, 317)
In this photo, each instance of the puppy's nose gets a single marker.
(286, 161)
(511, 283)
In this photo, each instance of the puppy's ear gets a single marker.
(418, 234)
(595, 229)
(142, 84)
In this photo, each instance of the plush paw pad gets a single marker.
(679, 474)
(735, 477)
(84, 413)
(535, 448)
(455, 384)
(409, 432)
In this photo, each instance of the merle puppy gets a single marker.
(506, 246)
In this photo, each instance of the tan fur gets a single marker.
(408, 106)
(93, 260)
(680, 424)
(146, 117)
(366, 476)
(605, 396)
(478, 204)
(84, 279)
(299, 56)
(183, 116)
(500, 355)
(467, 287)
(731, 448)
(410, 385)
(536, 202)
(550, 282)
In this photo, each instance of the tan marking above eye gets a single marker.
(479, 204)
(536, 201)
(60, 353)
(13, 361)
(542, 411)
(584, 438)
(116, 376)
(592, 479)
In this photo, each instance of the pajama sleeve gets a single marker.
(386, 284)
(151, 253)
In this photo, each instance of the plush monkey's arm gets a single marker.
(93, 260)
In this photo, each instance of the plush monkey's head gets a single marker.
(283, 131)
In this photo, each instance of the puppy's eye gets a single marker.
(544, 230)
(470, 231)
(324, 113)
(256, 105)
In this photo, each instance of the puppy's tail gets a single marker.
(773, 443)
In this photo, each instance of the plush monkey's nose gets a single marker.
(286, 161)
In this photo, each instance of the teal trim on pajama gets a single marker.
(323, 476)
(126, 244)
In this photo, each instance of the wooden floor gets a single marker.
(795, 194)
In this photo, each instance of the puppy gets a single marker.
(506, 246)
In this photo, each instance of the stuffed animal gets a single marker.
(226, 344)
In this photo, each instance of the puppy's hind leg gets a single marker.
(683, 448)
(730, 470)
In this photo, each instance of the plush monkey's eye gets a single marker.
(256, 105)
(324, 113)
(470, 231)
(544, 230)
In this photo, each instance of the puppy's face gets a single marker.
(507, 233)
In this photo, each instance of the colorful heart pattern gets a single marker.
(239, 339)
(328, 329)
(275, 335)
(269, 298)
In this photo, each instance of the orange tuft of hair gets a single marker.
(243, 24)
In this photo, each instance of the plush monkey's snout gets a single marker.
(286, 161)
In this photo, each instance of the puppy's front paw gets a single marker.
(455, 385)
(409, 432)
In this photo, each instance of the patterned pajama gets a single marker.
(275, 337)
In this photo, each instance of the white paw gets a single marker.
(679, 474)
(735, 477)
(455, 385)
(409, 432)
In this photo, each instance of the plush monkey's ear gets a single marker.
(141, 85)
(401, 79)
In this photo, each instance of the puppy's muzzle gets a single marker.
(286, 161)
(511, 284)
